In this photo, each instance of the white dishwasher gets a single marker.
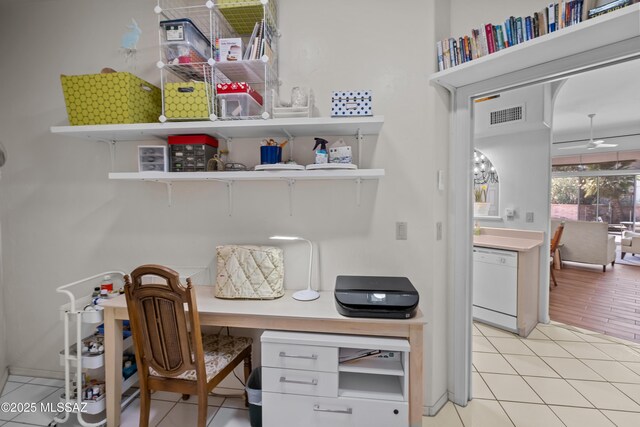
(495, 287)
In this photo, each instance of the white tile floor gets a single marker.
(167, 409)
(558, 376)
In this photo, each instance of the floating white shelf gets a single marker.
(248, 175)
(614, 27)
(276, 128)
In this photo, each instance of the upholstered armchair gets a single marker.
(630, 243)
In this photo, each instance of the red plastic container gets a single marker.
(193, 140)
(238, 87)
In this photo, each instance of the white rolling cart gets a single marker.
(75, 362)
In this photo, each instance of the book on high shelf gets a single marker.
(507, 28)
(456, 52)
(474, 46)
(499, 37)
(551, 14)
(519, 30)
(483, 42)
(609, 7)
(446, 57)
(466, 49)
(440, 55)
(544, 21)
(505, 36)
(536, 25)
(452, 52)
(490, 40)
(528, 27)
(467, 46)
(580, 11)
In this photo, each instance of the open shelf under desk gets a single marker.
(377, 366)
(366, 386)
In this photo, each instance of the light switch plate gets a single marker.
(529, 217)
(401, 231)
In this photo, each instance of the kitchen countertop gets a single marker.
(508, 239)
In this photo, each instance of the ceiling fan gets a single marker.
(591, 145)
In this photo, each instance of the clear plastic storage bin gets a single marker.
(183, 42)
(238, 105)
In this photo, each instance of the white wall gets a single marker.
(63, 219)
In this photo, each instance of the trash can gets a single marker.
(254, 395)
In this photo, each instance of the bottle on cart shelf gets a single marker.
(96, 292)
(107, 283)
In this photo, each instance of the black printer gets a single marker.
(374, 296)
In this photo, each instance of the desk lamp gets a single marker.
(306, 294)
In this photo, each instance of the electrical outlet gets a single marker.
(529, 217)
(510, 213)
(401, 231)
(439, 230)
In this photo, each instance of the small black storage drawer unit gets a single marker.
(191, 153)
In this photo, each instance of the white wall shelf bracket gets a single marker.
(291, 183)
(169, 192)
(358, 191)
(230, 197)
(112, 152)
(290, 138)
(359, 138)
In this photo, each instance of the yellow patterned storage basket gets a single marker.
(110, 98)
(187, 100)
(243, 14)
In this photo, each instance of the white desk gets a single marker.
(281, 314)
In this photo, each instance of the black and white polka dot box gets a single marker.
(351, 103)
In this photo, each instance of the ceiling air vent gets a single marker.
(507, 115)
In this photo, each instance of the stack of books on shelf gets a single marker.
(259, 42)
(492, 38)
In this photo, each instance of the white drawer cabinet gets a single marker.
(292, 381)
(305, 357)
(307, 381)
(292, 410)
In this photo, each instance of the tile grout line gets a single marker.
(506, 413)
(623, 392)
(577, 359)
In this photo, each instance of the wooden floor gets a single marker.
(606, 302)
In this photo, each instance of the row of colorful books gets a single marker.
(493, 38)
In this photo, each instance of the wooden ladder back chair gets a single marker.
(170, 351)
(555, 241)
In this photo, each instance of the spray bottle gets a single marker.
(322, 155)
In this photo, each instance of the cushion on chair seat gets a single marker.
(219, 351)
(626, 242)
